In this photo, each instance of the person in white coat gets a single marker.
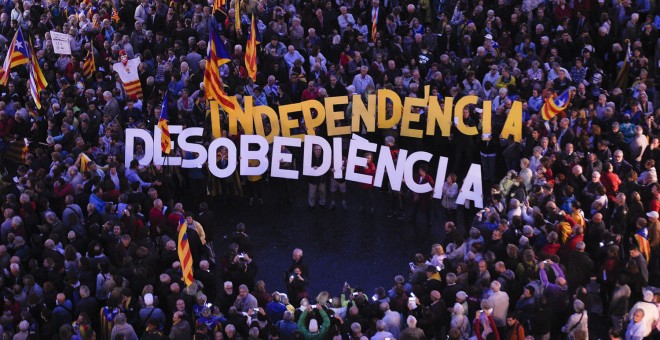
(459, 321)
(500, 302)
(636, 327)
(650, 309)
(578, 322)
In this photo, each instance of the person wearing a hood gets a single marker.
(462, 299)
(313, 331)
(459, 321)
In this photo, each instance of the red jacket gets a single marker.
(157, 219)
(7, 127)
(369, 170)
(551, 248)
(477, 328)
(423, 180)
(611, 182)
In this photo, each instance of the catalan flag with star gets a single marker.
(213, 85)
(185, 256)
(18, 54)
(556, 104)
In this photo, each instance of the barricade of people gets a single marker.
(570, 233)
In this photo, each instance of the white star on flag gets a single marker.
(19, 45)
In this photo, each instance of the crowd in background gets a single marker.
(570, 233)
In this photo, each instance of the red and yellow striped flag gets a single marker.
(217, 5)
(251, 52)
(213, 85)
(37, 79)
(374, 23)
(185, 257)
(89, 65)
(554, 105)
(237, 16)
(115, 15)
(163, 124)
(16, 55)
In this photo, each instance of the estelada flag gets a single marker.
(556, 104)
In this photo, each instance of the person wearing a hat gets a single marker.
(653, 229)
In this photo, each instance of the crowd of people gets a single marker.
(570, 232)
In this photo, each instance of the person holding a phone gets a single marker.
(484, 324)
(297, 286)
(309, 326)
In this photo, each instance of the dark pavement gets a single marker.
(363, 249)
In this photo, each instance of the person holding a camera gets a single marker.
(297, 286)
